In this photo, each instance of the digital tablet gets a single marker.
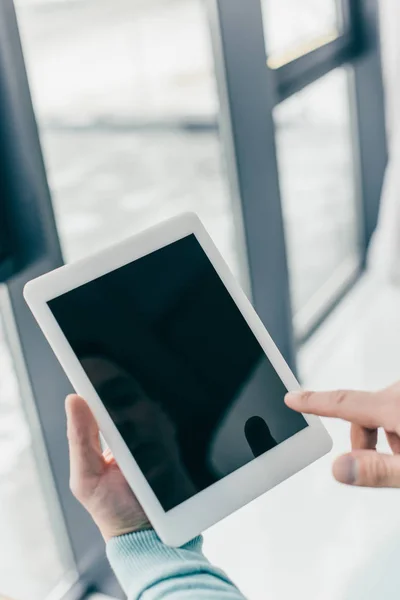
(184, 380)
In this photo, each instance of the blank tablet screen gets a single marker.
(177, 367)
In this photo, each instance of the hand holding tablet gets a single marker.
(95, 478)
(184, 381)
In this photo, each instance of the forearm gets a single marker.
(149, 570)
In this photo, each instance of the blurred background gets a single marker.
(268, 120)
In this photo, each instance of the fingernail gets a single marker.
(67, 401)
(345, 470)
(293, 396)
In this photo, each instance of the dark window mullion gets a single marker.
(296, 74)
(247, 92)
(305, 70)
(369, 112)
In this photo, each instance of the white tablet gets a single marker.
(185, 382)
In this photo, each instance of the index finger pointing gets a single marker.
(362, 408)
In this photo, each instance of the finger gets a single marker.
(83, 439)
(363, 438)
(394, 441)
(367, 409)
(367, 468)
(108, 457)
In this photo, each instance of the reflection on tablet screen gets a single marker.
(177, 367)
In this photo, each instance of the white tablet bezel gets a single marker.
(209, 506)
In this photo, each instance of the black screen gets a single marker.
(178, 369)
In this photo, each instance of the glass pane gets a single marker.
(127, 104)
(318, 184)
(293, 28)
(32, 561)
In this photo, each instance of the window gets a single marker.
(129, 127)
(319, 193)
(294, 28)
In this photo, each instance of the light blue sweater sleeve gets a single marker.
(149, 570)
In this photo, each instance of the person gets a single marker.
(149, 570)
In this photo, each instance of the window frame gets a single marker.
(234, 27)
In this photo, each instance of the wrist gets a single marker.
(110, 531)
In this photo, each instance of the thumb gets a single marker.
(86, 460)
(368, 468)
